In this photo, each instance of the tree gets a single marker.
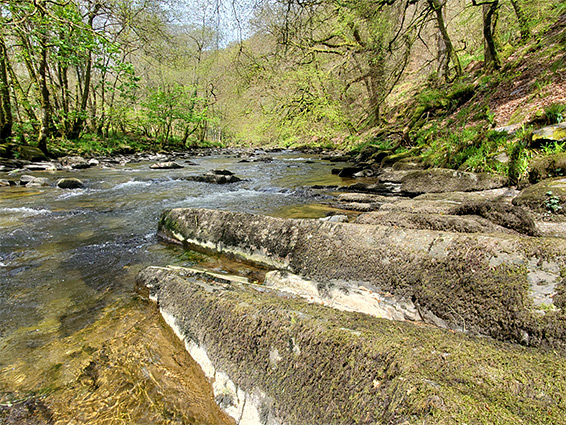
(489, 15)
(446, 52)
(6, 121)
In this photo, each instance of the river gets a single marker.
(77, 345)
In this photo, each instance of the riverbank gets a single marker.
(428, 257)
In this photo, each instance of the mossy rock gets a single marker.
(505, 215)
(538, 196)
(308, 364)
(31, 153)
(487, 284)
(445, 180)
(551, 133)
(547, 167)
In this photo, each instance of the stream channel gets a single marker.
(77, 345)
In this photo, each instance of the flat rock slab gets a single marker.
(443, 180)
(277, 360)
(504, 286)
(442, 222)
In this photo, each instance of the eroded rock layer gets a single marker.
(506, 286)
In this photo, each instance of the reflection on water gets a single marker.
(71, 332)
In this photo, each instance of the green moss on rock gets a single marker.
(348, 368)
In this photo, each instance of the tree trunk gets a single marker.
(45, 102)
(6, 120)
(81, 112)
(446, 52)
(523, 21)
(491, 56)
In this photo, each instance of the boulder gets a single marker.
(366, 172)
(70, 183)
(547, 167)
(349, 171)
(31, 153)
(12, 164)
(274, 358)
(27, 180)
(75, 162)
(7, 150)
(215, 177)
(169, 165)
(545, 196)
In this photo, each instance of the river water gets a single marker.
(72, 329)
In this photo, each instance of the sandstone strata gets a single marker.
(505, 286)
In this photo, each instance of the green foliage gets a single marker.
(518, 160)
(552, 203)
(174, 108)
(555, 113)
(466, 148)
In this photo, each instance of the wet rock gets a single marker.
(93, 162)
(5, 183)
(32, 181)
(256, 158)
(170, 165)
(547, 167)
(349, 171)
(12, 164)
(31, 153)
(215, 177)
(70, 183)
(541, 196)
(373, 188)
(32, 411)
(367, 172)
(447, 275)
(41, 166)
(75, 162)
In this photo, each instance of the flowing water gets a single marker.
(76, 343)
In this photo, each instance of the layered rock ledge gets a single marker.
(276, 359)
(505, 286)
